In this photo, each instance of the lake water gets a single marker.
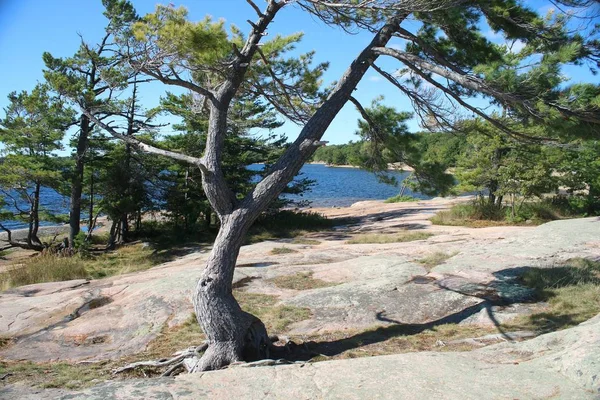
(341, 187)
(334, 187)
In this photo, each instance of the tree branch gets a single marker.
(255, 7)
(179, 82)
(477, 84)
(136, 143)
(309, 139)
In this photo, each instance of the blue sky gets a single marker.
(30, 27)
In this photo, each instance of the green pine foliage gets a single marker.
(31, 131)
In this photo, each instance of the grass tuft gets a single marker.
(44, 268)
(283, 250)
(437, 258)
(389, 238)
(288, 224)
(54, 268)
(401, 199)
(311, 242)
(572, 292)
(276, 317)
(393, 339)
(300, 281)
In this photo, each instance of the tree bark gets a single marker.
(77, 180)
(34, 221)
(233, 334)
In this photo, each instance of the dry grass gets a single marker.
(53, 268)
(55, 375)
(435, 259)
(81, 375)
(311, 242)
(448, 219)
(282, 250)
(393, 339)
(276, 317)
(43, 268)
(381, 238)
(572, 292)
(300, 281)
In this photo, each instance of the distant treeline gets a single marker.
(506, 172)
(443, 148)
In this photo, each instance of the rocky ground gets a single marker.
(361, 286)
(560, 365)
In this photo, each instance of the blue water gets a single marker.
(50, 200)
(341, 187)
(334, 187)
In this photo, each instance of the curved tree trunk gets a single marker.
(233, 335)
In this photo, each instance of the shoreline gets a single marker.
(47, 230)
(391, 167)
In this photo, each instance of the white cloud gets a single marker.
(516, 46)
(493, 36)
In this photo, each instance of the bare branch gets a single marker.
(255, 7)
(179, 82)
(136, 143)
(310, 136)
(475, 83)
(366, 117)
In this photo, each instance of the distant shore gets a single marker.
(391, 166)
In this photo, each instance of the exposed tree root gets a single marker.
(189, 360)
(174, 364)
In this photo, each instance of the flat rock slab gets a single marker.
(560, 365)
(376, 284)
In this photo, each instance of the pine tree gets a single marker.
(89, 78)
(31, 132)
(447, 51)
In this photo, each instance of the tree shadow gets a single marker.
(519, 285)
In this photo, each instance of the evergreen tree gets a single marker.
(88, 78)
(447, 50)
(503, 168)
(30, 133)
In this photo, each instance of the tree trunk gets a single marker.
(493, 186)
(124, 228)
(91, 219)
(499, 201)
(233, 334)
(112, 236)
(77, 180)
(34, 220)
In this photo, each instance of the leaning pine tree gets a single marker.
(447, 51)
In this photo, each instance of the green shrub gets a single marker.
(287, 224)
(477, 212)
(401, 199)
(81, 244)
